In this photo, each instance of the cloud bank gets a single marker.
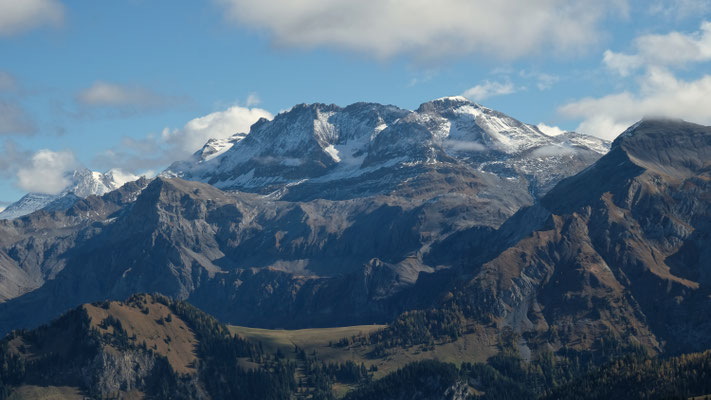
(661, 94)
(506, 29)
(658, 92)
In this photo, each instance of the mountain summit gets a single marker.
(369, 148)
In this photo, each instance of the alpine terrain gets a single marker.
(373, 252)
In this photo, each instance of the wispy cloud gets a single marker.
(17, 16)
(680, 9)
(14, 120)
(489, 89)
(124, 99)
(505, 29)
(542, 80)
(253, 99)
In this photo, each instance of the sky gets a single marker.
(134, 85)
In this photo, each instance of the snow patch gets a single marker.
(333, 152)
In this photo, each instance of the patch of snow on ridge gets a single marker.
(325, 131)
(332, 152)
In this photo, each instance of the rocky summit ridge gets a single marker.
(306, 150)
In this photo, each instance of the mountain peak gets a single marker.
(318, 144)
(445, 103)
(670, 146)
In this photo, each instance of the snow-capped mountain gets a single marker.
(320, 144)
(84, 183)
(212, 149)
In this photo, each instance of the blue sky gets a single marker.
(136, 84)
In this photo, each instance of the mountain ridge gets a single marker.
(319, 145)
(83, 183)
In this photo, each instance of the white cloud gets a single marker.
(158, 151)
(47, 172)
(14, 120)
(121, 177)
(217, 125)
(489, 89)
(550, 130)
(17, 16)
(660, 94)
(673, 49)
(506, 29)
(125, 99)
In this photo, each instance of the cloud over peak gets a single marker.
(660, 94)
(159, 150)
(489, 89)
(47, 172)
(217, 125)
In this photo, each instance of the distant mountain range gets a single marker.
(329, 152)
(83, 183)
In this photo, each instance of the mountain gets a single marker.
(150, 346)
(35, 247)
(144, 347)
(83, 184)
(462, 229)
(325, 151)
(617, 250)
(361, 222)
(212, 149)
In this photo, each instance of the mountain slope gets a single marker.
(147, 346)
(33, 248)
(622, 251)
